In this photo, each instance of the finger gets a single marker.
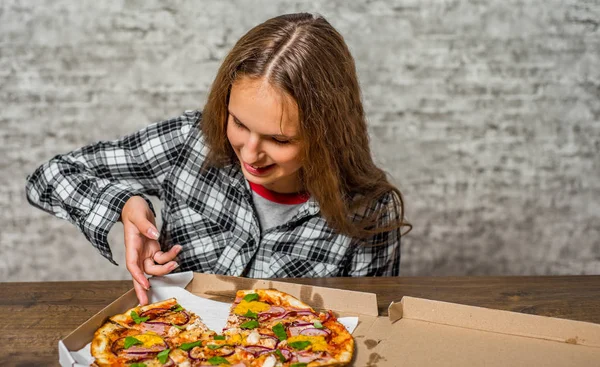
(140, 292)
(146, 227)
(132, 263)
(164, 257)
(155, 269)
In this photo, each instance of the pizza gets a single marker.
(265, 328)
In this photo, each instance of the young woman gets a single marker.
(274, 178)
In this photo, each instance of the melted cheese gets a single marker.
(149, 339)
(254, 306)
(317, 343)
(236, 339)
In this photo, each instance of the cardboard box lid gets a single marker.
(422, 332)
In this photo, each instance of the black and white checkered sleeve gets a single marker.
(378, 255)
(90, 185)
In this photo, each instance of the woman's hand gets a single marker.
(142, 251)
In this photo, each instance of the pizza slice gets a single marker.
(166, 318)
(271, 328)
(148, 336)
(115, 345)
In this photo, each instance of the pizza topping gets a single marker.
(215, 361)
(163, 356)
(307, 357)
(253, 337)
(298, 365)
(155, 327)
(219, 337)
(255, 306)
(148, 340)
(251, 297)
(279, 331)
(268, 341)
(251, 315)
(197, 324)
(318, 324)
(131, 341)
(177, 308)
(153, 313)
(188, 346)
(295, 330)
(270, 361)
(236, 339)
(315, 332)
(137, 319)
(257, 350)
(301, 342)
(252, 324)
(283, 356)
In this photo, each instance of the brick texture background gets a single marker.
(485, 113)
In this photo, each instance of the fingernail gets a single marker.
(175, 266)
(153, 233)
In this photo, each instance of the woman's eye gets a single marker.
(236, 122)
(281, 141)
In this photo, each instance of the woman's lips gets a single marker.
(258, 171)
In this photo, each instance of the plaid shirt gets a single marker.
(207, 211)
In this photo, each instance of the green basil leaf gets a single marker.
(137, 365)
(217, 361)
(219, 337)
(279, 331)
(300, 345)
(280, 355)
(298, 365)
(136, 318)
(252, 324)
(131, 341)
(251, 315)
(163, 356)
(217, 346)
(177, 326)
(317, 324)
(251, 297)
(177, 308)
(188, 346)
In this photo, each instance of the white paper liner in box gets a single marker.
(213, 313)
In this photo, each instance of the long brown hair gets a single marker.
(304, 56)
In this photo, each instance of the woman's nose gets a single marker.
(251, 152)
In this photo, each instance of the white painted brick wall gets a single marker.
(486, 113)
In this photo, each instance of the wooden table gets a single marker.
(36, 315)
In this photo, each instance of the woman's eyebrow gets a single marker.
(274, 136)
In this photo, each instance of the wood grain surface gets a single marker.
(37, 315)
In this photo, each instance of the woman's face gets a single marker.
(262, 128)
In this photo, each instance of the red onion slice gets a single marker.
(185, 320)
(226, 351)
(154, 312)
(256, 350)
(192, 355)
(314, 332)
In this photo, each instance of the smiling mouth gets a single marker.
(256, 170)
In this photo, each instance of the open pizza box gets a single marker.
(417, 332)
